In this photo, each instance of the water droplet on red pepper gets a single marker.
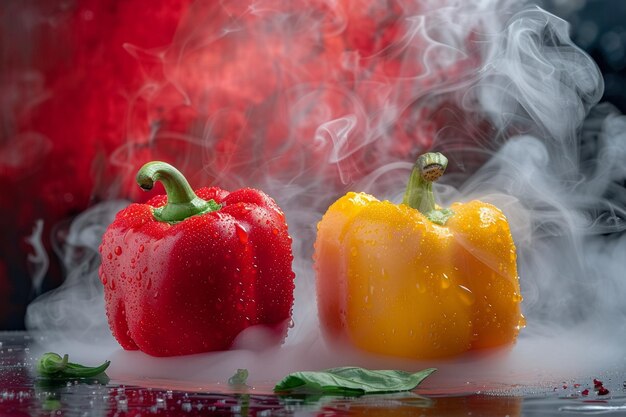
(275, 231)
(141, 248)
(110, 256)
(112, 284)
(242, 234)
(118, 250)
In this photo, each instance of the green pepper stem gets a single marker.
(182, 202)
(52, 365)
(419, 195)
(81, 371)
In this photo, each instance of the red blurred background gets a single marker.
(65, 82)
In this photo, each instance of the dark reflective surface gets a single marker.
(22, 394)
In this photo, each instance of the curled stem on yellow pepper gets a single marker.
(428, 168)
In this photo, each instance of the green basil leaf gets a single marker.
(352, 380)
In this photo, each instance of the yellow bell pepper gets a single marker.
(415, 280)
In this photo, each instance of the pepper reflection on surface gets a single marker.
(111, 401)
(398, 405)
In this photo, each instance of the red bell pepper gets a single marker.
(187, 272)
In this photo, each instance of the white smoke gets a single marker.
(75, 311)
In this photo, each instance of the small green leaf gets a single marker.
(240, 377)
(52, 365)
(352, 380)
